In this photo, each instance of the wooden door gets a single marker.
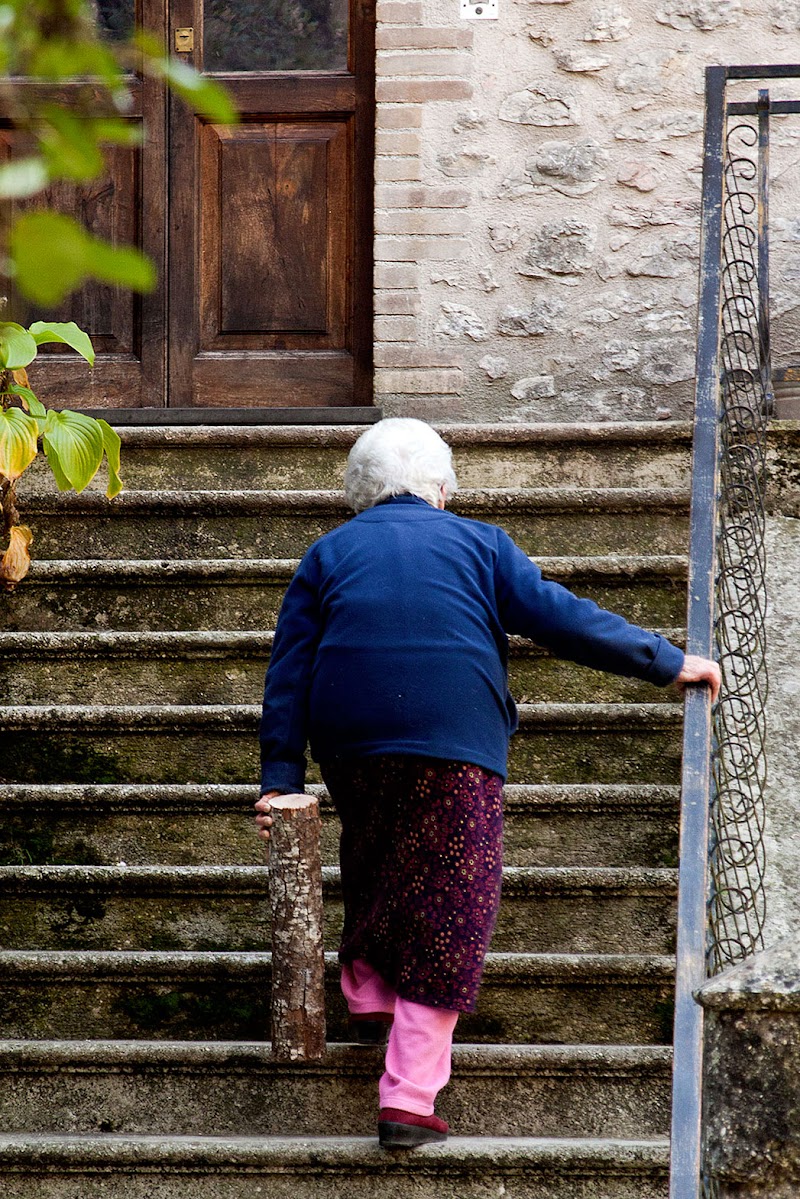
(265, 293)
(126, 206)
(269, 286)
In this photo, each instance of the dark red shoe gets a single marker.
(405, 1130)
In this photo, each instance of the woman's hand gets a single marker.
(700, 670)
(263, 819)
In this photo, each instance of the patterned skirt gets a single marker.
(422, 860)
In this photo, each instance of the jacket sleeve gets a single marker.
(284, 714)
(577, 629)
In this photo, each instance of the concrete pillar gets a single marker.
(752, 1075)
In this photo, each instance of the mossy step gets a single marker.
(224, 666)
(543, 910)
(236, 1088)
(223, 593)
(282, 524)
(217, 743)
(319, 1168)
(525, 998)
(612, 454)
(212, 824)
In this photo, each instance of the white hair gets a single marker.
(398, 456)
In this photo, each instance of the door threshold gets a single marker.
(236, 416)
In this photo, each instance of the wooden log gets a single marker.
(298, 960)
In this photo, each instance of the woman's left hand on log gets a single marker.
(263, 818)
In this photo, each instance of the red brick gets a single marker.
(388, 169)
(404, 144)
(398, 116)
(414, 249)
(435, 221)
(399, 12)
(416, 381)
(395, 328)
(397, 303)
(401, 64)
(419, 249)
(399, 355)
(420, 91)
(397, 195)
(396, 274)
(440, 37)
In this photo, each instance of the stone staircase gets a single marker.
(134, 972)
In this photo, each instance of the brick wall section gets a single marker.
(537, 202)
(418, 220)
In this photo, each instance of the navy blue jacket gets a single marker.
(392, 640)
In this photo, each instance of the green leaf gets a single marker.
(65, 332)
(112, 445)
(78, 444)
(18, 436)
(54, 254)
(35, 405)
(23, 178)
(54, 462)
(17, 347)
(70, 146)
(202, 94)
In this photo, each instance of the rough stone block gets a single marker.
(541, 317)
(540, 104)
(456, 321)
(560, 248)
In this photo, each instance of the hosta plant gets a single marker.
(73, 444)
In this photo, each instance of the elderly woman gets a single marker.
(390, 658)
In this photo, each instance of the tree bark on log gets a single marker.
(298, 960)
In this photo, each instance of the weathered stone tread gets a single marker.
(247, 716)
(153, 965)
(342, 1154)
(518, 881)
(252, 502)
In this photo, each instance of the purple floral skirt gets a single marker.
(422, 861)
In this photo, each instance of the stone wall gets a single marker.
(537, 202)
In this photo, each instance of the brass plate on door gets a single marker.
(184, 41)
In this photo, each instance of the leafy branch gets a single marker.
(73, 443)
(43, 45)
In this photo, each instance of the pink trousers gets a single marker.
(418, 1054)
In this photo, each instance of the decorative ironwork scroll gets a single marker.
(736, 847)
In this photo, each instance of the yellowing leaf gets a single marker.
(18, 435)
(15, 562)
(111, 445)
(21, 376)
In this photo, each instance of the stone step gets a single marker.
(212, 824)
(284, 1168)
(621, 454)
(223, 1088)
(525, 998)
(223, 593)
(226, 908)
(217, 743)
(282, 524)
(224, 666)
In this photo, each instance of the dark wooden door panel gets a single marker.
(126, 207)
(274, 261)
